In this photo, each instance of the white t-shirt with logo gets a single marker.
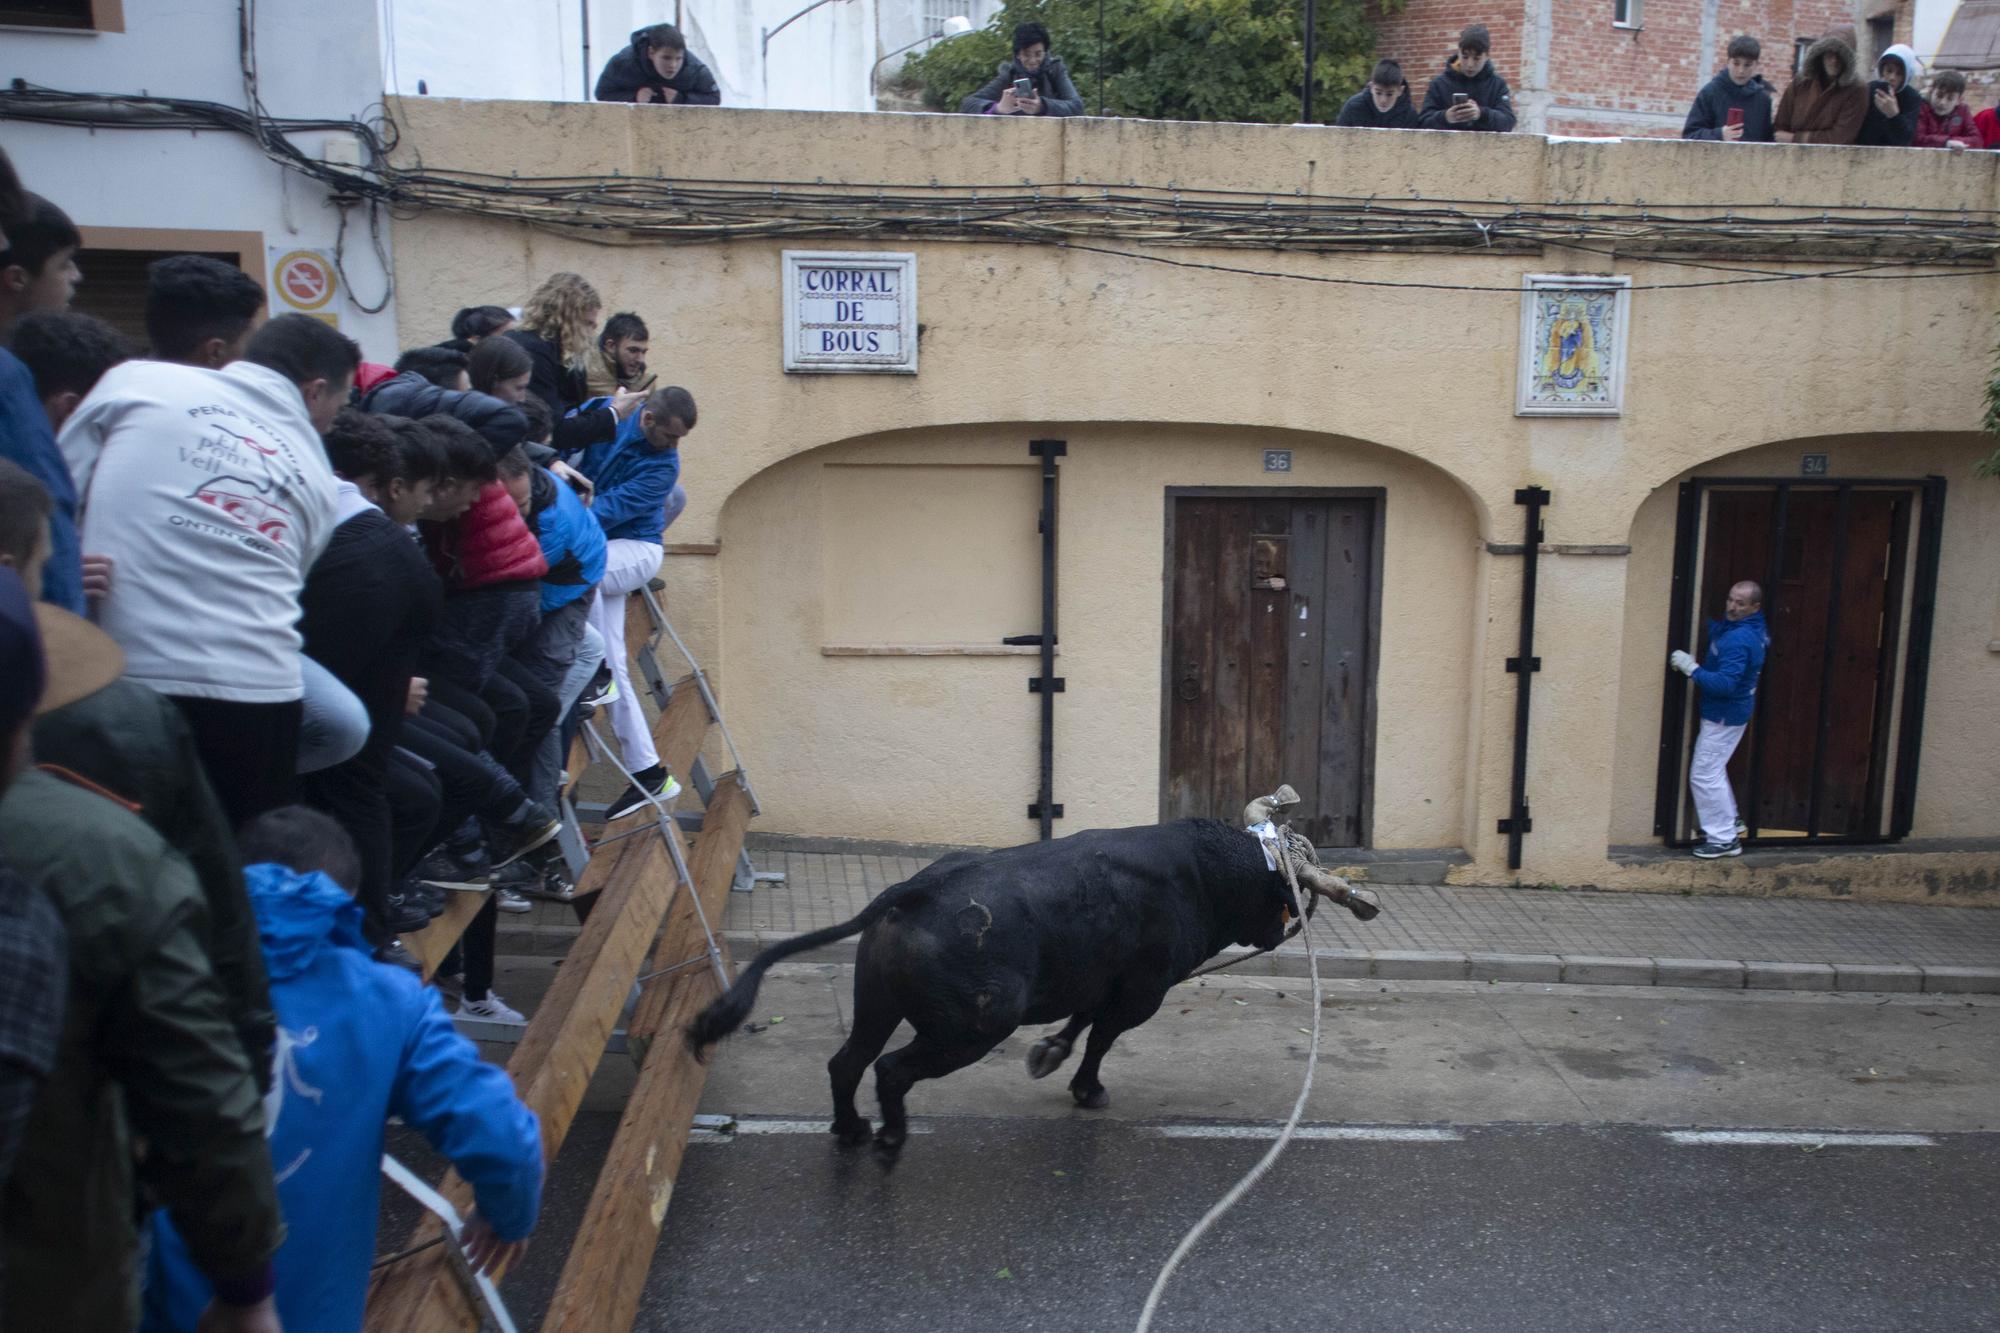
(211, 492)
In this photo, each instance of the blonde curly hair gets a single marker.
(564, 310)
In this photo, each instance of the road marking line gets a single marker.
(743, 1127)
(1363, 1133)
(1760, 1138)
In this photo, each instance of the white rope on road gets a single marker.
(1255, 1173)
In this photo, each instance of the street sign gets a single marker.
(302, 281)
(850, 312)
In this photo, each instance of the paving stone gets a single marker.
(1545, 967)
(1419, 965)
(1788, 976)
(1722, 974)
(1962, 980)
(1877, 977)
(1593, 970)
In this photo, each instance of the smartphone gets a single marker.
(1735, 116)
(644, 384)
(1023, 88)
(1460, 99)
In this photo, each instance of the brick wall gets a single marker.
(1607, 80)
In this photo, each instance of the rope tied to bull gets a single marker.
(1296, 858)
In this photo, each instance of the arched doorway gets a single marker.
(1848, 568)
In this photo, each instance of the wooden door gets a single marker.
(1270, 658)
(1822, 704)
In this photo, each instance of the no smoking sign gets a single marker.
(303, 280)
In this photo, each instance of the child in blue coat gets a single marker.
(358, 1042)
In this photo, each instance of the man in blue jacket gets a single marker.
(636, 476)
(1727, 680)
(358, 1042)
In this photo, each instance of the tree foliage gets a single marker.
(1236, 60)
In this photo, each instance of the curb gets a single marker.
(1455, 965)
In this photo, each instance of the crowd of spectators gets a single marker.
(1828, 102)
(292, 646)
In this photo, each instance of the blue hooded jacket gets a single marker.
(1727, 676)
(358, 1042)
(572, 542)
(632, 480)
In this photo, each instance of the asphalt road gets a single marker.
(1533, 1179)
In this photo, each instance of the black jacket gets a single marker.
(1059, 96)
(562, 388)
(1897, 131)
(1488, 89)
(1360, 113)
(631, 69)
(409, 394)
(1721, 95)
(365, 613)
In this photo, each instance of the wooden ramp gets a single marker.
(659, 891)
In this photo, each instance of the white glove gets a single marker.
(1682, 662)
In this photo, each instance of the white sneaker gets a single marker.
(509, 901)
(492, 1009)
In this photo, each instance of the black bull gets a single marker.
(1091, 930)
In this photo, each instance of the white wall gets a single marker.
(533, 49)
(319, 61)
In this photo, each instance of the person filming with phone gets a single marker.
(1735, 106)
(1469, 94)
(1032, 83)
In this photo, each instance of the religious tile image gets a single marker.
(1572, 346)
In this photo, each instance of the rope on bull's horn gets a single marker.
(1289, 856)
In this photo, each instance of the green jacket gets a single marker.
(148, 1051)
(132, 742)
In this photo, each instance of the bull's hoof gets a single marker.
(1091, 1099)
(852, 1133)
(1364, 909)
(1046, 1056)
(890, 1140)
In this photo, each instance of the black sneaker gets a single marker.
(402, 914)
(601, 690)
(548, 880)
(394, 954)
(508, 843)
(445, 871)
(654, 782)
(427, 896)
(1711, 851)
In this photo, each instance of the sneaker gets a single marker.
(655, 782)
(508, 843)
(394, 954)
(444, 871)
(1710, 851)
(427, 896)
(403, 914)
(1742, 829)
(492, 1009)
(509, 901)
(603, 688)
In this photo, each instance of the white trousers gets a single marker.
(627, 567)
(1708, 779)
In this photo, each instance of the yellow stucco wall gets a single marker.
(1162, 376)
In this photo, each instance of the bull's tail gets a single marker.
(728, 1011)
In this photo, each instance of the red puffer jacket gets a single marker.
(487, 544)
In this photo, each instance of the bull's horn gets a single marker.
(1335, 889)
(1264, 807)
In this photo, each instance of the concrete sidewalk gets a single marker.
(1446, 933)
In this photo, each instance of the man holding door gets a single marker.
(1727, 680)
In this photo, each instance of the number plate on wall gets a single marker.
(850, 312)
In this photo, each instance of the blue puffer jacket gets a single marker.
(358, 1042)
(572, 542)
(1727, 676)
(632, 480)
(25, 438)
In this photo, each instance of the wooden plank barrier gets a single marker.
(638, 890)
(605, 1275)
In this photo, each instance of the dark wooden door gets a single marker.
(1823, 702)
(1270, 658)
